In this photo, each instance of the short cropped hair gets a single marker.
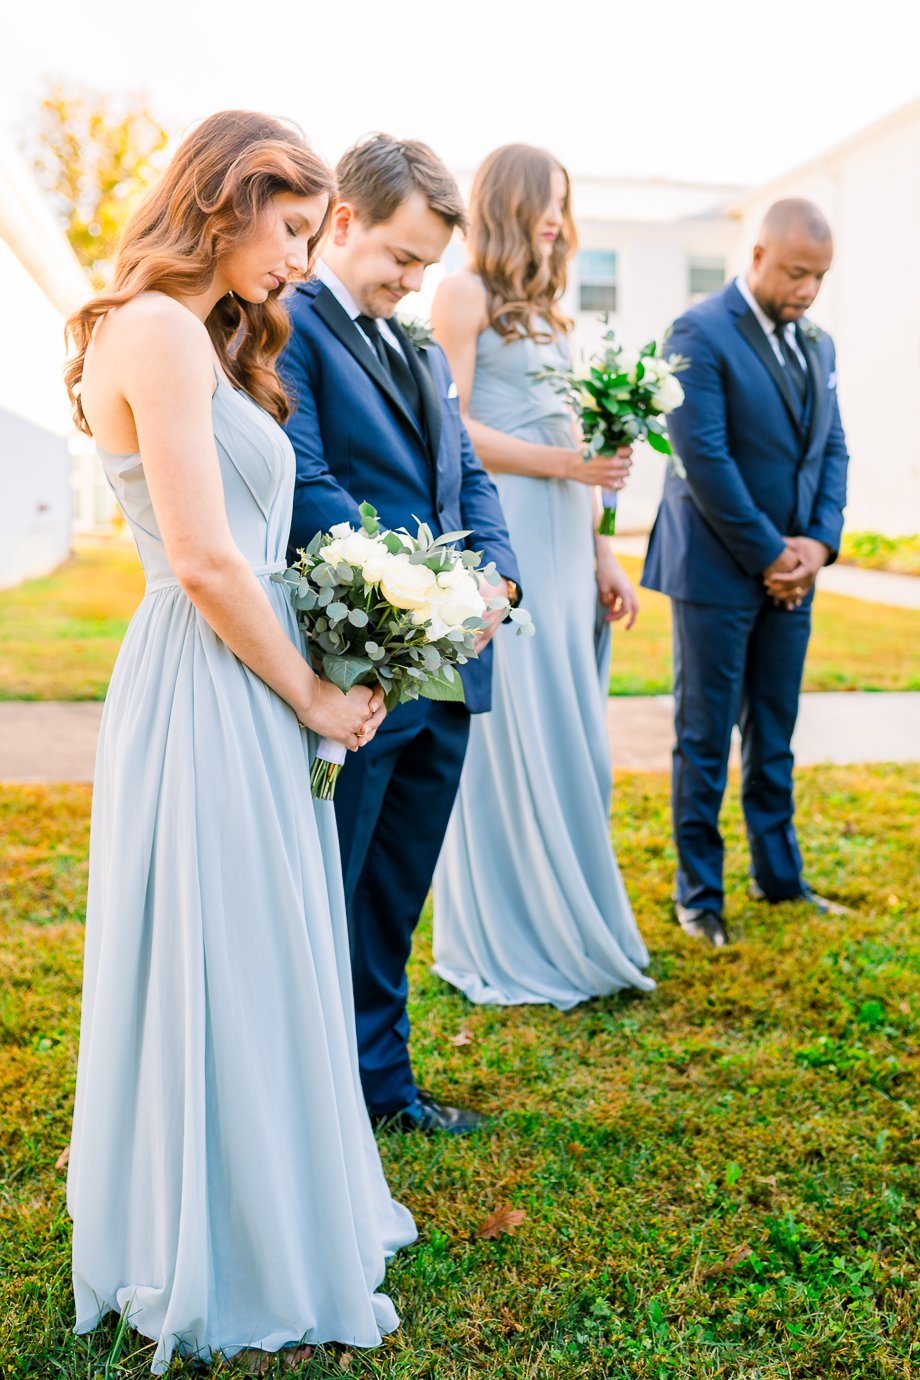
(379, 173)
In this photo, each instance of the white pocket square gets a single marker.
(452, 390)
(832, 379)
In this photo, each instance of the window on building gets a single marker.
(707, 274)
(597, 280)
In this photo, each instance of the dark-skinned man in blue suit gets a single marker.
(377, 419)
(737, 544)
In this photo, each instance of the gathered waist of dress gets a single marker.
(170, 581)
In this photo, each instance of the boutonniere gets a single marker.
(419, 334)
(810, 330)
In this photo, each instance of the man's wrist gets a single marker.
(514, 593)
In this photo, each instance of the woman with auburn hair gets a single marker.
(224, 1183)
(529, 902)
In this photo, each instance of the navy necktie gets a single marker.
(393, 365)
(793, 367)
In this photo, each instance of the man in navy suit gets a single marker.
(377, 419)
(737, 545)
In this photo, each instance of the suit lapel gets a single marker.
(812, 355)
(340, 323)
(421, 371)
(753, 333)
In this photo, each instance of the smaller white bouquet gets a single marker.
(619, 397)
(390, 609)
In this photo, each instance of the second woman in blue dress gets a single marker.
(529, 902)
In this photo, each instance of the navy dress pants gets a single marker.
(393, 802)
(736, 666)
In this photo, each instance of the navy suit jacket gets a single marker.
(357, 441)
(755, 472)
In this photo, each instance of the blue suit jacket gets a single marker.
(357, 441)
(755, 471)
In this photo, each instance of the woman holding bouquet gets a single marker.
(224, 1183)
(529, 902)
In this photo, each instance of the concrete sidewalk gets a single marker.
(872, 586)
(48, 742)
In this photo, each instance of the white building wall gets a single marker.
(41, 282)
(35, 493)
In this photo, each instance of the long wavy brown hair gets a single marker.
(208, 202)
(510, 194)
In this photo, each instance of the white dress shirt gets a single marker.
(340, 292)
(770, 328)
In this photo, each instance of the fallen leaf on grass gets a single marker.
(463, 1037)
(502, 1222)
(722, 1266)
(62, 1159)
(345, 1360)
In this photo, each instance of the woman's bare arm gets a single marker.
(158, 356)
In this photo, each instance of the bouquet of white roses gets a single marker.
(619, 397)
(390, 609)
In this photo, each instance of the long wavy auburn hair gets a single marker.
(208, 202)
(510, 194)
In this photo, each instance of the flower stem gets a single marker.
(323, 776)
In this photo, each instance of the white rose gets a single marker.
(375, 563)
(455, 599)
(341, 529)
(333, 552)
(357, 547)
(627, 361)
(668, 394)
(407, 586)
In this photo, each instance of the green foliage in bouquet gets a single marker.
(621, 395)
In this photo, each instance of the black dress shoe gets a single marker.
(819, 903)
(702, 924)
(428, 1116)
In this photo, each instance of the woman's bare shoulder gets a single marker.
(465, 287)
(152, 319)
(463, 297)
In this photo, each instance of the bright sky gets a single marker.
(711, 90)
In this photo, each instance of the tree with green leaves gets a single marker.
(94, 155)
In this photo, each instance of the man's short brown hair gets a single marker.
(379, 173)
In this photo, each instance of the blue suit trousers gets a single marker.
(392, 803)
(744, 666)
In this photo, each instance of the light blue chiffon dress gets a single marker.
(224, 1182)
(529, 904)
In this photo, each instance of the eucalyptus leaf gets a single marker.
(347, 671)
(451, 538)
(442, 688)
(358, 618)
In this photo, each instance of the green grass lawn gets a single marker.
(718, 1179)
(59, 636)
